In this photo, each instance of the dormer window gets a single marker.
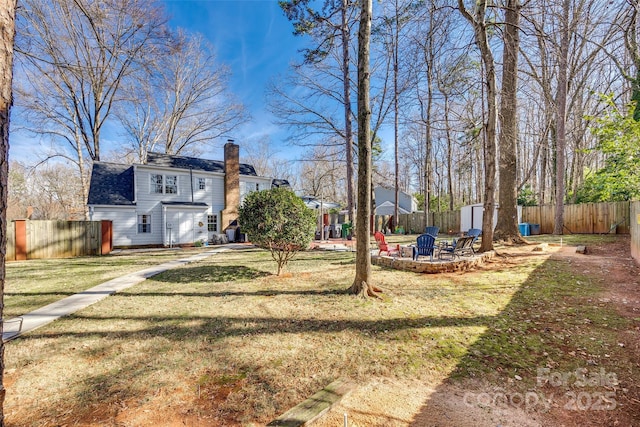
(167, 184)
(171, 184)
(156, 184)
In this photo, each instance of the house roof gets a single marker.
(280, 183)
(180, 162)
(314, 203)
(111, 184)
(387, 208)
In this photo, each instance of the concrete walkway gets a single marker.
(17, 326)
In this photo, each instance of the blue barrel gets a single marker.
(524, 228)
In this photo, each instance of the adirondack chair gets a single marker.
(382, 244)
(425, 246)
(432, 230)
(475, 232)
(462, 246)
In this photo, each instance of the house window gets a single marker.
(212, 223)
(167, 184)
(156, 184)
(171, 184)
(257, 186)
(144, 223)
(202, 184)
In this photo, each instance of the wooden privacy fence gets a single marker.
(414, 223)
(585, 218)
(635, 230)
(57, 239)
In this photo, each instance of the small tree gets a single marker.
(277, 220)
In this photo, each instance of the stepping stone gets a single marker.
(314, 407)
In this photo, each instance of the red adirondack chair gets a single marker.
(382, 245)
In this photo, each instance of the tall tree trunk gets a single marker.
(449, 152)
(396, 144)
(482, 41)
(362, 283)
(507, 225)
(426, 119)
(348, 131)
(7, 35)
(561, 111)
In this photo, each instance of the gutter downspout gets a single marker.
(191, 177)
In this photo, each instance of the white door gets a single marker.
(179, 228)
(186, 228)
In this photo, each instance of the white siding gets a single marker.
(185, 220)
(249, 184)
(125, 226)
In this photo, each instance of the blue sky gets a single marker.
(253, 38)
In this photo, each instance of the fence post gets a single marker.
(21, 239)
(107, 237)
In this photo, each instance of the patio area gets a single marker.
(424, 265)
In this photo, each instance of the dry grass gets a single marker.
(36, 283)
(224, 342)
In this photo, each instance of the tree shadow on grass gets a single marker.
(219, 327)
(116, 386)
(554, 325)
(210, 273)
(219, 294)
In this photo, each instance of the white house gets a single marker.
(172, 200)
(385, 199)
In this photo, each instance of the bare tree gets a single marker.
(74, 56)
(327, 28)
(394, 22)
(322, 174)
(181, 102)
(507, 225)
(7, 35)
(47, 191)
(480, 26)
(266, 162)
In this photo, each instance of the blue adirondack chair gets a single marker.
(432, 230)
(462, 246)
(475, 232)
(426, 246)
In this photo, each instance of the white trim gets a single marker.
(112, 206)
(135, 183)
(184, 207)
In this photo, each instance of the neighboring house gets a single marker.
(385, 200)
(172, 200)
(313, 202)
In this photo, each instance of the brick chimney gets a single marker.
(231, 183)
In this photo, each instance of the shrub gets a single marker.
(279, 221)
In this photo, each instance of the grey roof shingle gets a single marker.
(111, 184)
(171, 161)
